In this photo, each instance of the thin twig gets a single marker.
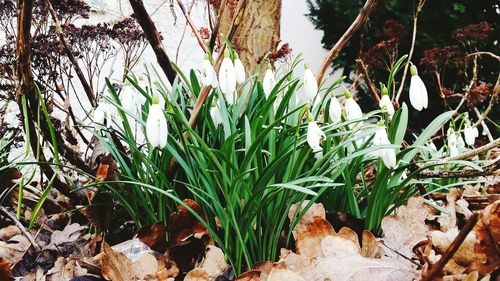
(79, 73)
(486, 170)
(436, 268)
(493, 100)
(471, 153)
(421, 4)
(368, 81)
(193, 27)
(356, 24)
(21, 227)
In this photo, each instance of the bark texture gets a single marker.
(256, 28)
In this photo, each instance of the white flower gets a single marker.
(310, 85)
(104, 114)
(353, 111)
(240, 71)
(216, 115)
(128, 99)
(335, 110)
(268, 82)
(486, 131)
(388, 155)
(386, 104)
(452, 142)
(470, 134)
(314, 137)
(156, 126)
(208, 76)
(227, 80)
(418, 92)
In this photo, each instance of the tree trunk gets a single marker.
(257, 28)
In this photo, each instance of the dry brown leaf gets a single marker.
(487, 230)
(65, 269)
(69, 234)
(448, 220)
(281, 274)
(196, 274)
(115, 266)
(169, 271)
(5, 273)
(252, 275)
(214, 262)
(145, 266)
(14, 248)
(403, 231)
(154, 236)
(316, 210)
(369, 247)
(8, 232)
(350, 235)
(308, 240)
(184, 225)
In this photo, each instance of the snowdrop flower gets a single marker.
(269, 82)
(128, 99)
(470, 134)
(216, 115)
(335, 110)
(352, 108)
(310, 85)
(314, 137)
(418, 92)
(385, 102)
(388, 155)
(452, 142)
(103, 114)
(227, 80)
(240, 70)
(156, 125)
(208, 76)
(486, 131)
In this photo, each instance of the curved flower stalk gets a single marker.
(353, 111)
(418, 92)
(227, 80)
(268, 82)
(470, 134)
(208, 75)
(310, 85)
(314, 137)
(388, 155)
(240, 70)
(335, 110)
(216, 114)
(385, 102)
(156, 125)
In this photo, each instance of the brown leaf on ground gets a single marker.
(487, 230)
(115, 266)
(99, 212)
(8, 232)
(281, 273)
(145, 267)
(65, 269)
(69, 234)
(5, 273)
(316, 210)
(184, 225)
(14, 248)
(169, 271)
(403, 231)
(369, 248)
(197, 274)
(214, 262)
(154, 236)
(309, 237)
(252, 275)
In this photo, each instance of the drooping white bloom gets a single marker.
(335, 110)
(314, 137)
(104, 114)
(208, 76)
(216, 115)
(156, 126)
(452, 142)
(385, 102)
(268, 82)
(240, 71)
(227, 80)
(128, 99)
(310, 85)
(418, 92)
(388, 155)
(486, 130)
(470, 134)
(353, 111)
